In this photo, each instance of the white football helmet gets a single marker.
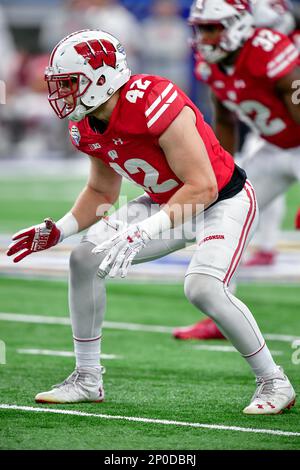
(274, 14)
(85, 69)
(235, 22)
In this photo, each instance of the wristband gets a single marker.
(67, 225)
(156, 224)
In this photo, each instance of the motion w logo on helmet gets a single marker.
(240, 4)
(98, 53)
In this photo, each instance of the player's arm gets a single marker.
(101, 191)
(187, 157)
(287, 88)
(225, 126)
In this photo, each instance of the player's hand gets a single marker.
(36, 238)
(297, 220)
(121, 250)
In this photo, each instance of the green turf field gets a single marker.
(156, 377)
(27, 201)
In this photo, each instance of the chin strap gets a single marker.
(78, 114)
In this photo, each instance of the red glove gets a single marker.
(297, 220)
(36, 238)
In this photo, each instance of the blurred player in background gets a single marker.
(144, 128)
(8, 55)
(277, 15)
(251, 74)
(34, 132)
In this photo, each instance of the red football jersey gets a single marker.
(249, 88)
(146, 107)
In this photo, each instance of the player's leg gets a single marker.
(295, 164)
(228, 228)
(270, 175)
(267, 236)
(87, 302)
(272, 171)
(87, 298)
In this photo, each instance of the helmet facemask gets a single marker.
(235, 25)
(65, 91)
(209, 49)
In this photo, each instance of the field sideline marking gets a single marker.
(26, 318)
(51, 352)
(150, 420)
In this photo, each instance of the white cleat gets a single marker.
(83, 385)
(273, 395)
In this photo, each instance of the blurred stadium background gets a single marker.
(40, 175)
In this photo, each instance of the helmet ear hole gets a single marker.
(101, 80)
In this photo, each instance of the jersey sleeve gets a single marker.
(273, 55)
(162, 105)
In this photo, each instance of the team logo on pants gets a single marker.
(211, 237)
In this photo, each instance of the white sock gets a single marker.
(262, 363)
(87, 352)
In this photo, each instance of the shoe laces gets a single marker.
(71, 380)
(267, 387)
(75, 376)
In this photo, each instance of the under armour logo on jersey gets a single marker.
(98, 53)
(118, 141)
(113, 154)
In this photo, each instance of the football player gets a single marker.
(253, 74)
(277, 15)
(145, 129)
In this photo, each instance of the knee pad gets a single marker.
(83, 262)
(203, 291)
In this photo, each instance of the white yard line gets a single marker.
(41, 319)
(226, 349)
(24, 318)
(284, 338)
(50, 352)
(166, 422)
